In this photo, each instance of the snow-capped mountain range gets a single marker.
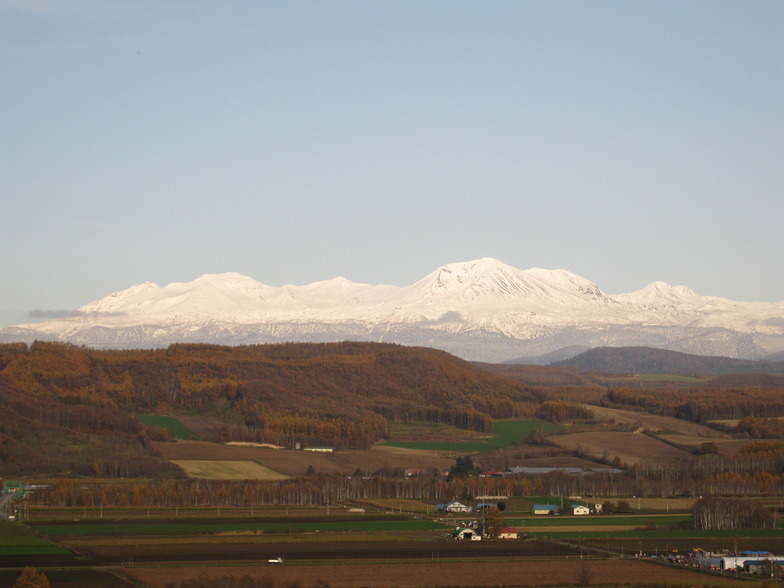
(480, 310)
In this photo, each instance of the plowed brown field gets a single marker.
(431, 573)
(655, 423)
(629, 447)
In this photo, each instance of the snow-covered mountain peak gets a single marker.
(210, 293)
(229, 284)
(567, 281)
(338, 284)
(491, 280)
(472, 279)
(115, 301)
(658, 294)
(478, 309)
(338, 291)
(456, 276)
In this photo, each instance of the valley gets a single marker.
(141, 466)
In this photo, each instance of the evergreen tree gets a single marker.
(464, 466)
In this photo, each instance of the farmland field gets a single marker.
(176, 429)
(296, 463)
(20, 545)
(723, 446)
(206, 428)
(261, 525)
(735, 422)
(435, 572)
(629, 447)
(597, 521)
(227, 470)
(346, 549)
(505, 434)
(656, 422)
(669, 378)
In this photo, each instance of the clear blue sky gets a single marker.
(296, 141)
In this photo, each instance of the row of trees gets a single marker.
(319, 489)
(761, 428)
(703, 404)
(745, 462)
(718, 514)
(558, 411)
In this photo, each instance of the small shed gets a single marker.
(579, 509)
(545, 509)
(508, 533)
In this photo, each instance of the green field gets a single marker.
(670, 378)
(176, 429)
(596, 521)
(506, 433)
(16, 539)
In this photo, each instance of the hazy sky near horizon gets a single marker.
(296, 141)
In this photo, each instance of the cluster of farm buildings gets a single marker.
(745, 562)
(475, 532)
(537, 509)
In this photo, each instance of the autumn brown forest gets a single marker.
(73, 410)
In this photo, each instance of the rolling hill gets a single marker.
(647, 360)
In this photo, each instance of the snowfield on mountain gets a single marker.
(480, 310)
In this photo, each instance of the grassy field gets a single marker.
(227, 470)
(16, 539)
(506, 433)
(596, 521)
(43, 514)
(176, 429)
(670, 378)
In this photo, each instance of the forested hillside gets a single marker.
(341, 394)
(73, 409)
(730, 396)
(40, 433)
(649, 360)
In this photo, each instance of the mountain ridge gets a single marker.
(647, 360)
(481, 310)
